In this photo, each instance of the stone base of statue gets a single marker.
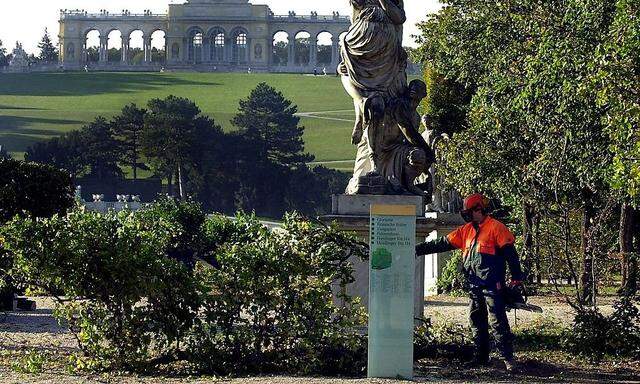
(351, 213)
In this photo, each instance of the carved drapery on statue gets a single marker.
(391, 152)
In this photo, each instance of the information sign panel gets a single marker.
(391, 290)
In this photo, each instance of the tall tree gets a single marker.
(128, 127)
(175, 137)
(3, 56)
(64, 152)
(535, 135)
(48, 51)
(269, 122)
(100, 152)
(4, 155)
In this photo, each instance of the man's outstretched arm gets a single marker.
(441, 244)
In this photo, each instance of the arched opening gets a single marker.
(280, 52)
(217, 43)
(114, 46)
(135, 54)
(158, 47)
(324, 48)
(302, 48)
(240, 44)
(196, 41)
(91, 47)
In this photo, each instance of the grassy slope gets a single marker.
(36, 106)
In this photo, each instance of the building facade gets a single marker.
(204, 35)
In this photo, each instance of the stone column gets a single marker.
(291, 59)
(103, 55)
(147, 50)
(229, 50)
(335, 50)
(124, 52)
(313, 53)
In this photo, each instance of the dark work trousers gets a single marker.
(496, 316)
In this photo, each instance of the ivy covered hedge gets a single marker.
(168, 284)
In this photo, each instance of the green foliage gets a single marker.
(65, 152)
(31, 363)
(3, 56)
(168, 284)
(48, 51)
(617, 335)
(268, 121)
(127, 129)
(178, 139)
(100, 149)
(268, 306)
(442, 339)
(452, 280)
(33, 189)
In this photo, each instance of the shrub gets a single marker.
(452, 279)
(596, 336)
(269, 307)
(141, 290)
(35, 189)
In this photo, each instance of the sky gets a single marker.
(25, 20)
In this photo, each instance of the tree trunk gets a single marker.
(527, 233)
(536, 237)
(587, 283)
(627, 251)
(181, 182)
(170, 183)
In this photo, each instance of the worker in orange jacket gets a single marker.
(487, 245)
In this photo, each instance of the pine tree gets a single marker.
(269, 122)
(48, 51)
(128, 127)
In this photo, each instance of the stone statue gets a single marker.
(391, 151)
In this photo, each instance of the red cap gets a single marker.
(475, 200)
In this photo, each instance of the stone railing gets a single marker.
(83, 15)
(311, 18)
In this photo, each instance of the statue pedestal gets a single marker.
(351, 213)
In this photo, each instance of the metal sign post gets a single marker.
(391, 291)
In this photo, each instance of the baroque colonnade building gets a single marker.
(204, 35)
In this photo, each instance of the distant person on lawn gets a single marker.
(487, 245)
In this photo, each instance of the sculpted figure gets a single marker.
(403, 152)
(373, 67)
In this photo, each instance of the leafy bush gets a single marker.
(166, 283)
(442, 339)
(452, 279)
(597, 336)
(269, 308)
(34, 189)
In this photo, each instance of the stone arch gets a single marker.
(302, 48)
(240, 45)
(92, 45)
(280, 47)
(135, 43)
(195, 42)
(157, 46)
(324, 44)
(114, 44)
(216, 39)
